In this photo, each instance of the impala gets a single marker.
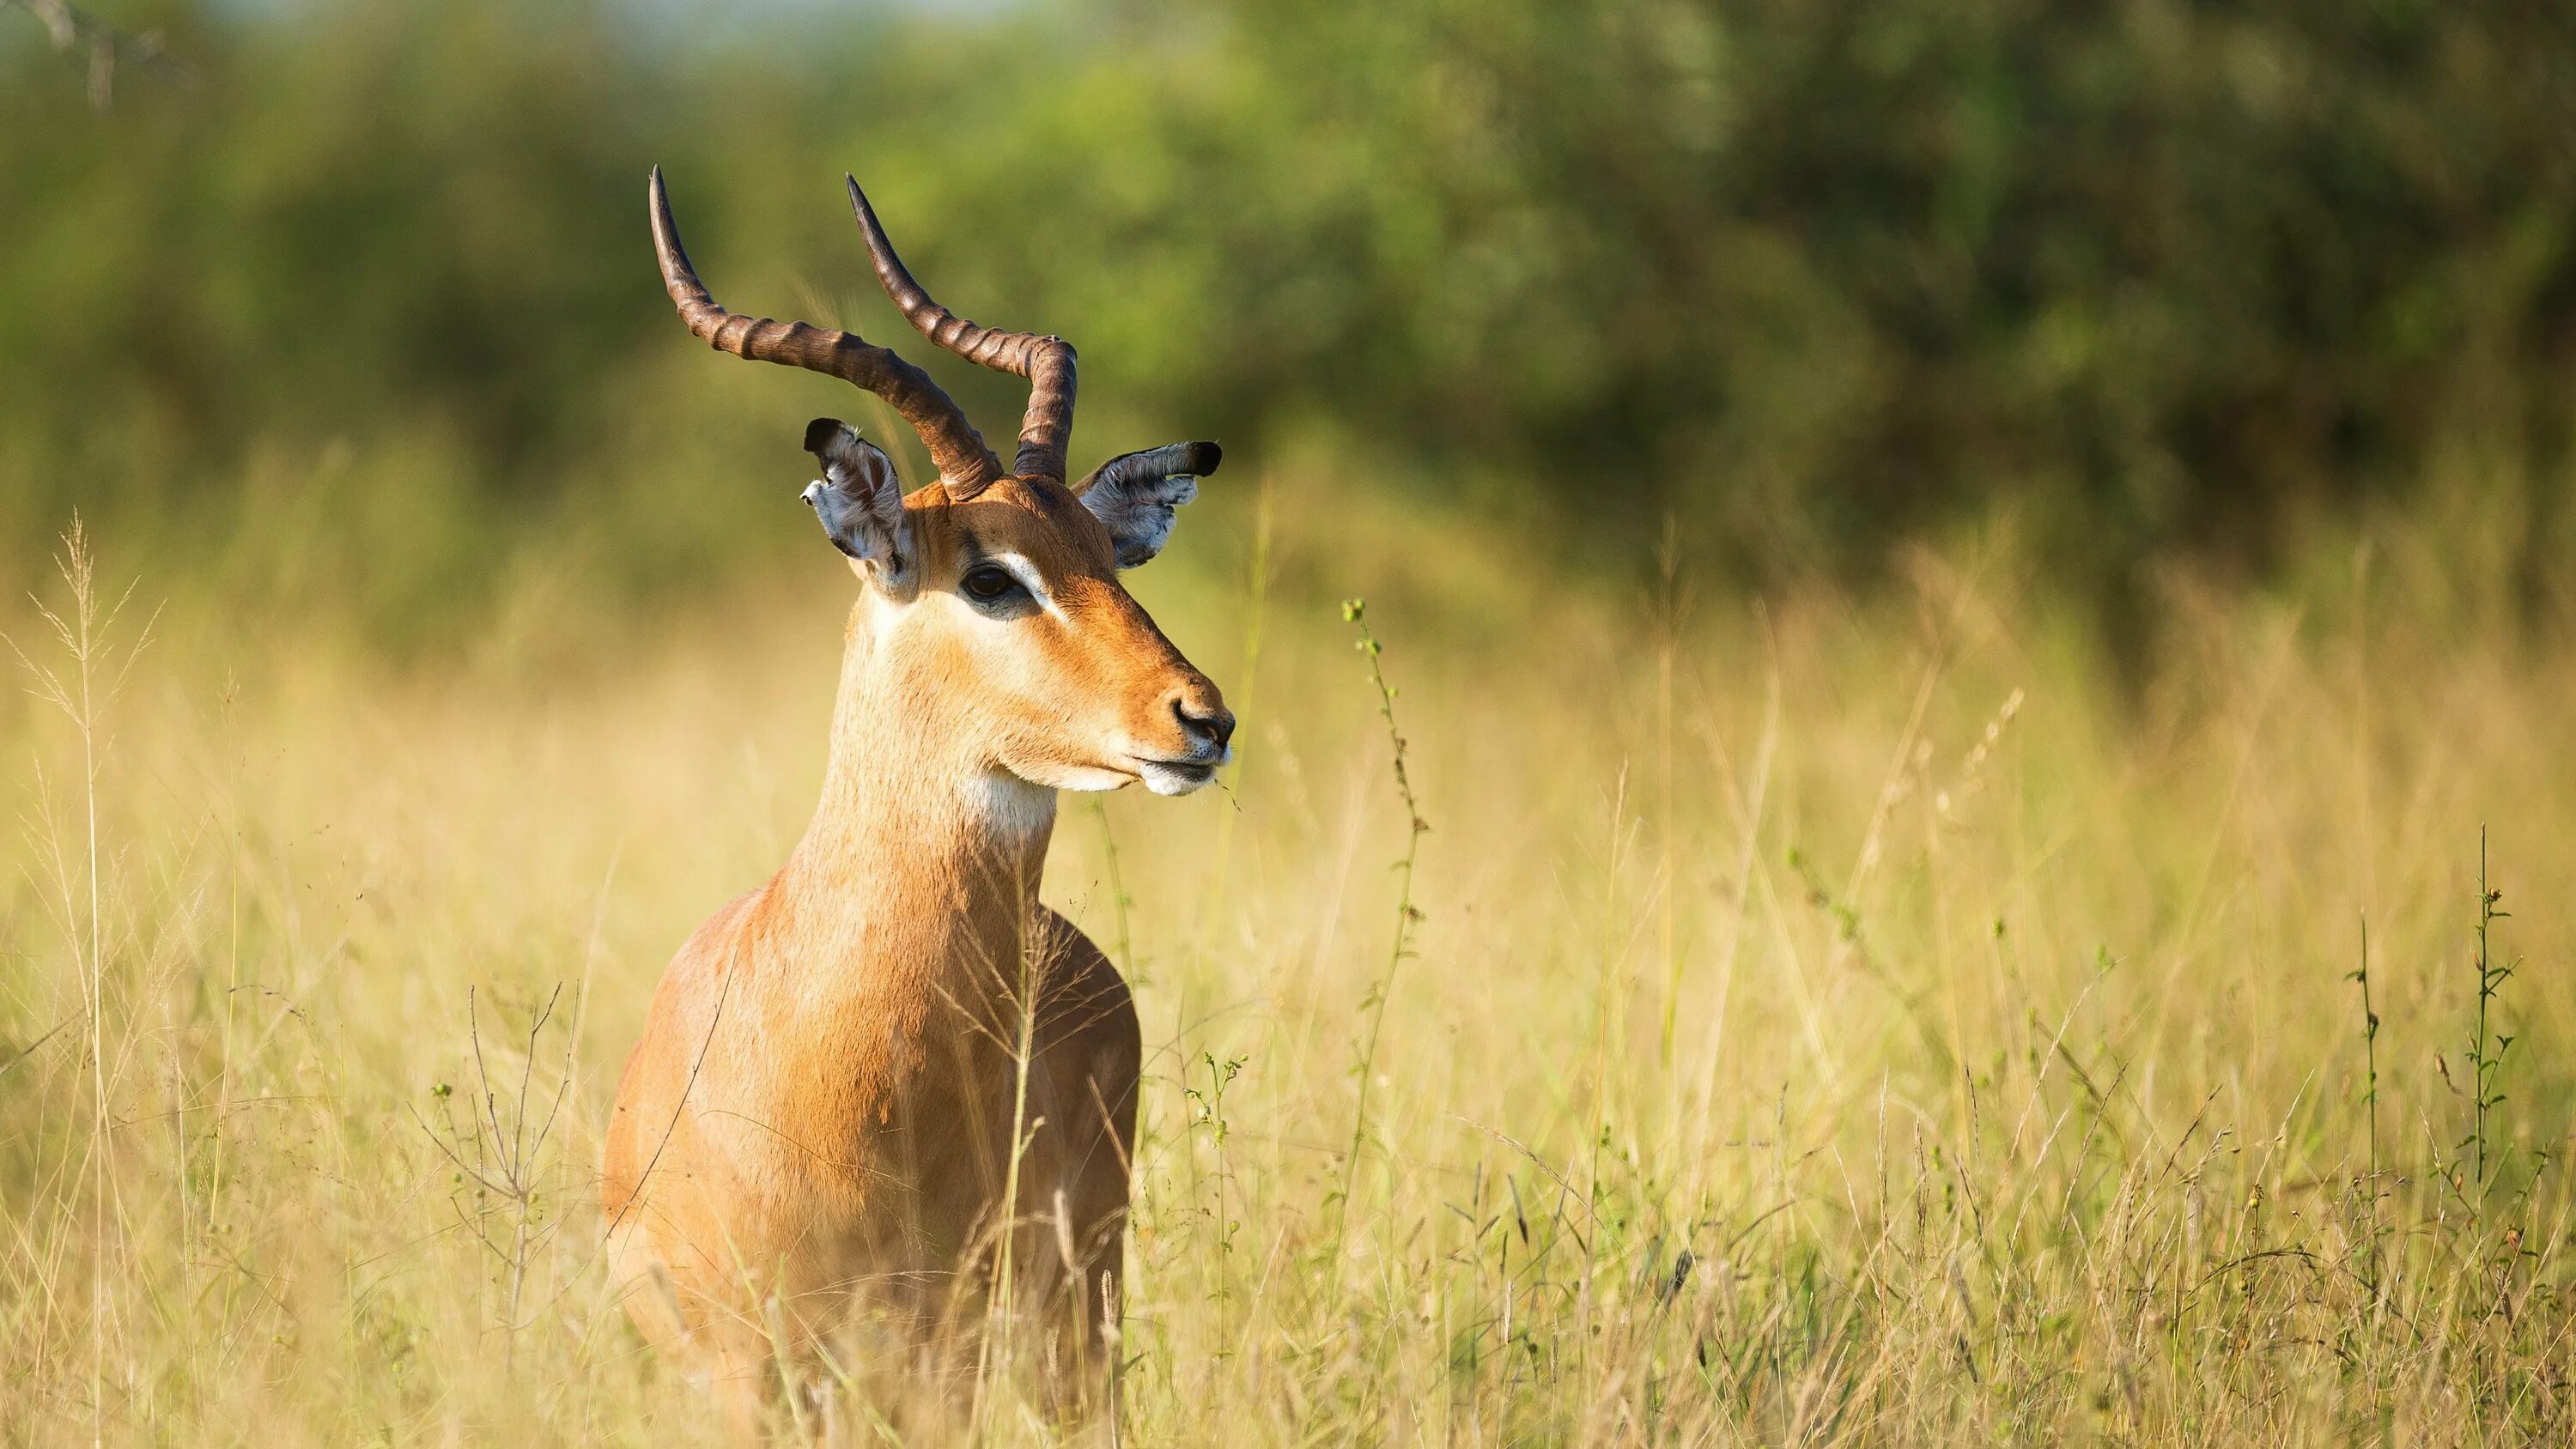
(890, 1079)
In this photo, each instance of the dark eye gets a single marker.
(989, 584)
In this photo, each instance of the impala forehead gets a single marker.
(1039, 525)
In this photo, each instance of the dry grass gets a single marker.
(1826, 1022)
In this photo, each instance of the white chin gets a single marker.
(1079, 777)
(1175, 779)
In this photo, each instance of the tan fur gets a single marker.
(810, 1142)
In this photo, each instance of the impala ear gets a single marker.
(858, 499)
(1136, 494)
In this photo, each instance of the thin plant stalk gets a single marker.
(1407, 915)
(2370, 1101)
(2486, 1050)
(84, 639)
(1003, 1286)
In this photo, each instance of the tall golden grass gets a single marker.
(1807, 1019)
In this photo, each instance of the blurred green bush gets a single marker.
(1811, 274)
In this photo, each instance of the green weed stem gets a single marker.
(1407, 915)
(2486, 1050)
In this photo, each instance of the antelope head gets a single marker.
(997, 590)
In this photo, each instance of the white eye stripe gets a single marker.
(1018, 567)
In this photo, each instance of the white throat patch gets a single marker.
(1010, 805)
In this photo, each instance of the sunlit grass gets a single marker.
(1824, 1021)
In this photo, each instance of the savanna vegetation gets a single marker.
(1973, 614)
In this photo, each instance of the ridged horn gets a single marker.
(956, 449)
(1046, 361)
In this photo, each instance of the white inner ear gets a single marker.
(1139, 516)
(860, 505)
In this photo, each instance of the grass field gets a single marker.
(1813, 1020)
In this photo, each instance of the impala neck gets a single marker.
(926, 849)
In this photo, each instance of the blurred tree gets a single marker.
(101, 47)
(1815, 273)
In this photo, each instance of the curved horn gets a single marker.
(956, 449)
(1047, 362)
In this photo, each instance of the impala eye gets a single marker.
(989, 584)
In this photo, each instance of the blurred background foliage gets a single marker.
(367, 301)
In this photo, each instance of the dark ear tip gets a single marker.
(822, 433)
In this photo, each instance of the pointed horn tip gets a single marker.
(657, 208)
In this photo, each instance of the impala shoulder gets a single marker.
(1084, 992)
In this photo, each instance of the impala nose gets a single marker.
(1204, 720)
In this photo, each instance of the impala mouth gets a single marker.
(1177, 777)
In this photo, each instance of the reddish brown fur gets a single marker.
(819, 1112)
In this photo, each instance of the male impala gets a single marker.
(812, 1148)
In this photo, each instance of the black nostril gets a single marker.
(1217, 728)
